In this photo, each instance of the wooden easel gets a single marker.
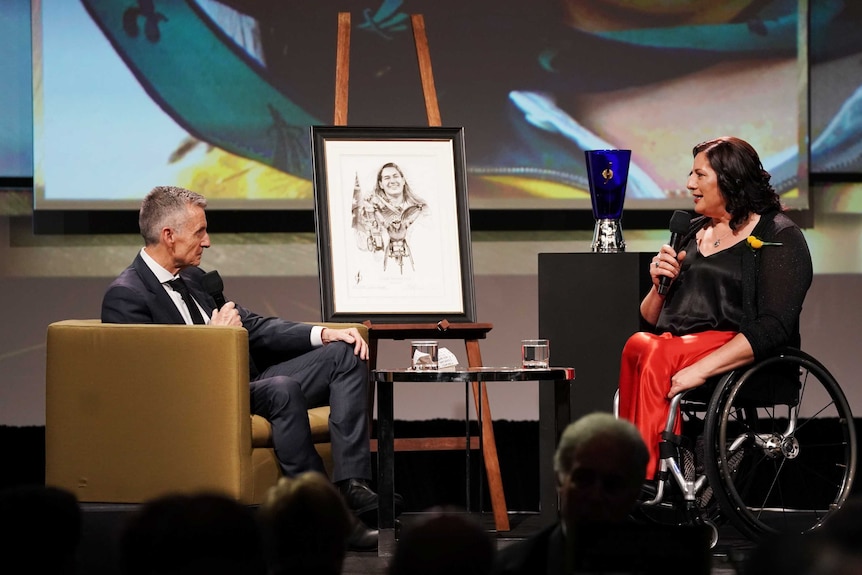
(471, 333)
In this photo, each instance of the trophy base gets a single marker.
(608, 237)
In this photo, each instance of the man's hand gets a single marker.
(227, 315)
(349, 335)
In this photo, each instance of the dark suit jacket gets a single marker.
(627, 547)
(136, 296)
(541, 554)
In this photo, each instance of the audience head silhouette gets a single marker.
(193, 535)
(41, 529)
(306, 525)
(600, 464)
(446, 542)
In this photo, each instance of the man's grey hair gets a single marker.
(165, 206)
(598, 424)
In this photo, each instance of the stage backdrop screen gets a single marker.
(219, 96)
(16, 126)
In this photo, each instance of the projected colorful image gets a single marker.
(16, 128)
(219, 96)
(836, 87)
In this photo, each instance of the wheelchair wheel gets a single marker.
(780, 445)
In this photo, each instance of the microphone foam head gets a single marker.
(212, 282)
(679, 222)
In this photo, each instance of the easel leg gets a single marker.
(342, 69)
(489, 444)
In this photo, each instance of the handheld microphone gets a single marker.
(213, 285)
(679, 224)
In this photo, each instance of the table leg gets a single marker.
(554, 416)
(385, 469)
(492, 462)
(467, 449)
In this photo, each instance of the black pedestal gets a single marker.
(588, 307)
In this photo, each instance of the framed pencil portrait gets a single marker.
(392, 221)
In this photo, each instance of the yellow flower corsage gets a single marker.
(756, 243)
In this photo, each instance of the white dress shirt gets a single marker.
(164, 276)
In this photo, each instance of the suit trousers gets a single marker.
(328, 375)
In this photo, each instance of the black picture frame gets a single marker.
(401, 252)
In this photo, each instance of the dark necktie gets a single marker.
(179, 285)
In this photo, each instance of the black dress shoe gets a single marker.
(359, 497)
(363, 502)
(362, 537)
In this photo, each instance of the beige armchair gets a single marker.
(137, 411)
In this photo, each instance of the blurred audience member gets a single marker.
(599, 464)
(306, 526)
(448, 542)
(40, 530)
(192, 535)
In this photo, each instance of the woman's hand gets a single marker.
(735, 353)
(665, 264)
(686, 378)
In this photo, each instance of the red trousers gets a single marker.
(648, 363)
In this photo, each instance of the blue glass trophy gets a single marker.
(608, 172)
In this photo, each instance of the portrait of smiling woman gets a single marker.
(382, 220)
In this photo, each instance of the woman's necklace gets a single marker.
(717, 242)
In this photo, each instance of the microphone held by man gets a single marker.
(214, 286)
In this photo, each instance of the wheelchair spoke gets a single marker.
(783, 443)
(815, 415)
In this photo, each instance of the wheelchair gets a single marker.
(769, 447)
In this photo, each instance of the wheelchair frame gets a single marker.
(740, 426)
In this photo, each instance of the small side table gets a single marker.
(549, 431)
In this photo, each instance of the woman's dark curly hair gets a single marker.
(743, 182)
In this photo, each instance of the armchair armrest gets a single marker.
(137, 411)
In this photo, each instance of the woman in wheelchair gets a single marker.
(737, 284)
(729, 303)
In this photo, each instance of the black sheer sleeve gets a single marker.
(783, 274)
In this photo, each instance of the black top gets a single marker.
(708, 295)
(758, 292)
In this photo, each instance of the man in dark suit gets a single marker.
(600, 464)
(293, 366)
